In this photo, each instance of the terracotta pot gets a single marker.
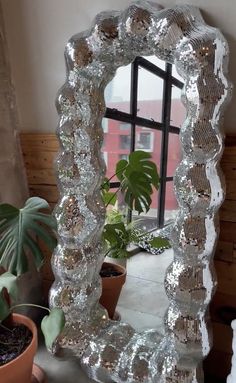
(19, 370)
(111, 288)
(117, 261)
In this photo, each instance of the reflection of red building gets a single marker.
(117, 141)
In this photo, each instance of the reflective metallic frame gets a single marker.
(111, 351)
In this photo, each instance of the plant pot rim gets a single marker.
(112, 282)
(119, 268)
(22, 319)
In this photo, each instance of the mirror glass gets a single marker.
(144, 114)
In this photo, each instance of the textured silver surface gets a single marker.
(107, 350)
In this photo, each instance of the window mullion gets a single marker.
(133, 112)
(166, 110)
(133, 101)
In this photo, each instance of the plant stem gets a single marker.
(7, 344)
(108, 203)
(114, 247)
(5, 328)
(31, 305)
(108, 181)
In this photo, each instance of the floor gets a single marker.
(143, 301)
(142, 304)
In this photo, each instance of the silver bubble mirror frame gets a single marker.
(107, 350)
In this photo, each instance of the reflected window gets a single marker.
(145, 141)
(124, 126)
(125, 142)
(145, 112)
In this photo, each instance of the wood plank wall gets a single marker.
(223, 306)
(39, 151)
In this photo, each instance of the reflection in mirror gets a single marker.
(145, 112)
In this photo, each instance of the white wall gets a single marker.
(37, 31)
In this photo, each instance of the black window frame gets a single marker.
(164, 126)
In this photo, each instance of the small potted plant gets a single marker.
(18, 335)
(20, 253)
(138, 176)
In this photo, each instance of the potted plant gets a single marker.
(20, 253)
(18, 335)
(138, 176)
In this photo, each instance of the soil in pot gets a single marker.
(110, 272)
(113, 278)
(19, 369)
(14, 339)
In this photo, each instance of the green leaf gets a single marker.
(115, 216)
(117, 237)
(18, 229)
(120, 168)
(138, 176)
(35, 249)
(118, 253)
(4, 307)
(159, 242)
(109, 198)
(52, 325)
(36, 203)
(8, 281)
(116, 234)
(105, 185)
(7, 211)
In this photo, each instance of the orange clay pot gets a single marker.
(19, 370)
(111, 288)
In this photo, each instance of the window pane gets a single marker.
(149, 140)
(125, 141)
(178, 111)
(176, 74)
(150, 92)
(124, 126)
(145, 141)
(115, 144)
(174, 154)
(117, 92)
(171, 206)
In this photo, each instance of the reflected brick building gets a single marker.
(117, 141)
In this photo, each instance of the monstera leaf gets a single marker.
(137, 177)
(19, 229)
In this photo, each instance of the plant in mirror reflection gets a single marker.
(138, 177)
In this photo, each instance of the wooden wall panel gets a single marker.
(223, 305)
(39, 151)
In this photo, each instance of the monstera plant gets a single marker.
(138, 178)
(19, 233)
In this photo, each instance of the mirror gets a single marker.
(145, 271)
(113, 351)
